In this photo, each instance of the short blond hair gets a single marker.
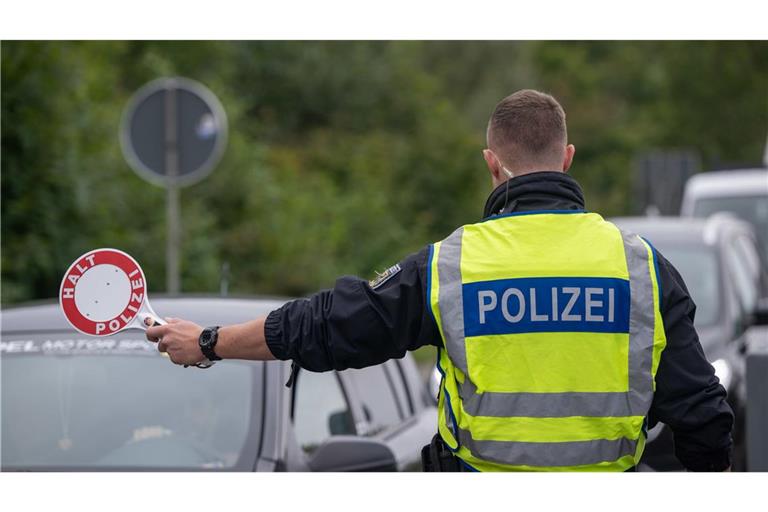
(528, 128)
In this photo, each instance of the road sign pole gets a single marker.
(172, 243)
(173, 219)
(173, 133)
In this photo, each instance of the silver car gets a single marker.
(71, 403)
(743, 192)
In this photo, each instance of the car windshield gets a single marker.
(698, 264)
(115, 402)
(753, 209)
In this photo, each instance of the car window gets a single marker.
(320, 409)
(753, 209)
(399, 382)
(744, 282)
(699, 268)
(747, 252)
(73, 402)
(377, 397)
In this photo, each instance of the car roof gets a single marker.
(738, 182)
(47, 316)
(682, 230)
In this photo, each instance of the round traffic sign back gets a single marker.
(174, 131)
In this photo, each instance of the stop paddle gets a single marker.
(104, 292)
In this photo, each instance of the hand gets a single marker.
(179, 338)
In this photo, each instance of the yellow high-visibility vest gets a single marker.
(552, 335)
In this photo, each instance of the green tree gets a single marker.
(343, 156)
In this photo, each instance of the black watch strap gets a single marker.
(207, 341)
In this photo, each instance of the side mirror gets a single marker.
(350, 453)
(760, 314)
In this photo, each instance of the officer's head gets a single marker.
(527, 133)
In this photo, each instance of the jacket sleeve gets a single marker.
(354, 325)
(689, 397)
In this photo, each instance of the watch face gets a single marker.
(206, 338)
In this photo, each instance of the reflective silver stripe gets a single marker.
(641, 325)
(451, 298)
(551, 454)
(542, 405)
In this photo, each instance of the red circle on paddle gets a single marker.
(102, 292)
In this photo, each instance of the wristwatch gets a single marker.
(207, 342)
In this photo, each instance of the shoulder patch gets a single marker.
(385, 276)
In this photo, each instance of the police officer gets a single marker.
(560, 338)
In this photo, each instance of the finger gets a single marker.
(162, 346)
(156, 332)
(174, 359)
(172, 320)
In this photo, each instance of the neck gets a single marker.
(523, 172)
(516, 173)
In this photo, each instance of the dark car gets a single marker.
(718, 260)
(742, 192)
(71, 402)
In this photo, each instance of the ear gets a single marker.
(493, 166)
(570, 150)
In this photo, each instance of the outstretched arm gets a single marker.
(179, 338)
(352, 325)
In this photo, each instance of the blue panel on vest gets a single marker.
(546, 304)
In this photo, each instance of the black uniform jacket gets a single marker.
(354, 325)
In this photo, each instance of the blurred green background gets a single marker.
(343, 157)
